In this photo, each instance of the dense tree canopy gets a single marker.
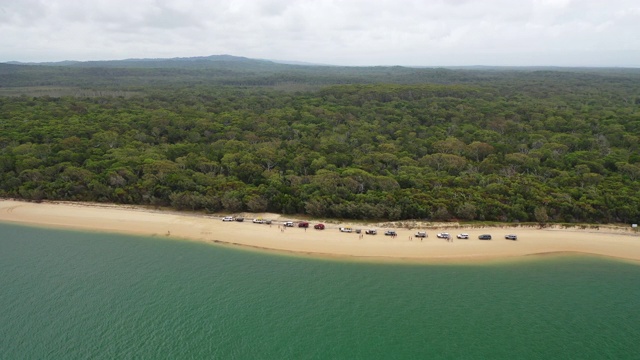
(544, 146)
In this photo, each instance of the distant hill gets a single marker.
(225, 60)
(178, 62)
(229, 70)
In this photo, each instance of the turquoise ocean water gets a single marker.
(74, 295)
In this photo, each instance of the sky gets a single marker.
(348, 32)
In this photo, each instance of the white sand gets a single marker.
(606, 241)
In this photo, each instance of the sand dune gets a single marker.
(606, 241)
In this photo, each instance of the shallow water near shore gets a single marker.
(76, 295)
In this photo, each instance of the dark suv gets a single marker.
(484, 237)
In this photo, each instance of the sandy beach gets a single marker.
(330, 242)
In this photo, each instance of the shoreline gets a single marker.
(607, 241)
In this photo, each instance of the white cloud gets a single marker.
(348, 32)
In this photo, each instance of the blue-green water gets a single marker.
(72, 295)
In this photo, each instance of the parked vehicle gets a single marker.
(318, 226)
(371, 232)
(358, 231)
(303, 224)
(444, 235)
(511, 237)
(421, 234)
(390, 233)
(227, 218)
(462, 236)
(239, 219)
(346, 229)
(288, 224)
(258, 221)
(268, 222)
(484, 237)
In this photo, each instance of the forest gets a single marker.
(232, 135)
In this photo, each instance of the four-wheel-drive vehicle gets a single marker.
(484, 237)
(421, 234)
(318, 226)
(371, 232)
(239, 219)
(303, 224)
(258, 221)
(227, 218)
(288, 224)
(462, 236)
(390, 233)
(511, 237)
(267, 222)
(444, 235)
(346, 229)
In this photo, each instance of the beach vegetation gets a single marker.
(529, 145)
